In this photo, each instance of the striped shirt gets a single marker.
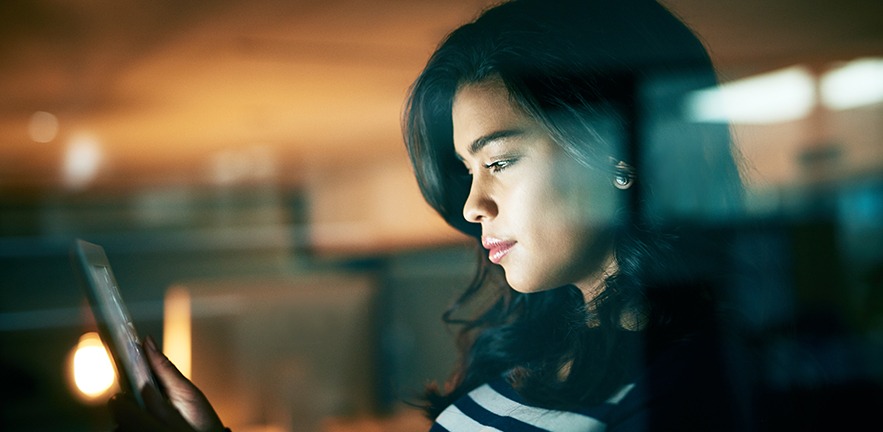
(695, 385)
(496, 407)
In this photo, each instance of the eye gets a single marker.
(500, 165)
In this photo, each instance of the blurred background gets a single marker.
(242, 165)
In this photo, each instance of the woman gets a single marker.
(550, 132)
(536, 130)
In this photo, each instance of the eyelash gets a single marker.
(500, 165)
(494, 167)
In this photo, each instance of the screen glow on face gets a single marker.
(544, 216)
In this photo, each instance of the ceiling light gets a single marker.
(857, 83)
(774, 97)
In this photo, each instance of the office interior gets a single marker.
(242, 165)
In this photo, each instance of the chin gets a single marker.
(525, 286)
(518, 285)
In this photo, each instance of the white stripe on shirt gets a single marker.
(453, 419)
(562, 421)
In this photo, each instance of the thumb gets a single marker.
(189, 402)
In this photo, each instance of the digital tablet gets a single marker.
(114, 322)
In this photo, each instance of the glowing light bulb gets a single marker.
(93, 371)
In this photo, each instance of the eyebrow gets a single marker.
(483, 141)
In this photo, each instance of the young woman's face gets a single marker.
(542, 214)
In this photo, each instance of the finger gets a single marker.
(179, 390)
(170, 378)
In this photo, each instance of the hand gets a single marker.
(183, 409)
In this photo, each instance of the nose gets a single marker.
(479, 205)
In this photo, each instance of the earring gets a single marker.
(625, 176)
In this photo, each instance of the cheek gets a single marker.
(559, 217)
(584, 209)
(585, 196)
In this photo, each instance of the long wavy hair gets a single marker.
(605, 79)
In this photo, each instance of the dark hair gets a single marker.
(590, 73)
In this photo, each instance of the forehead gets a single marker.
(488, 98)
(483, 108)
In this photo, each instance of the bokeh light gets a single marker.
(43, 127)
(93, 371)
(82, 161)
(779, 96)
(857, 83)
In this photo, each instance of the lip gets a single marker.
(497, 248)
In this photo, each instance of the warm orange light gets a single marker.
(43, 127)
(93, 372)
(176, 328)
